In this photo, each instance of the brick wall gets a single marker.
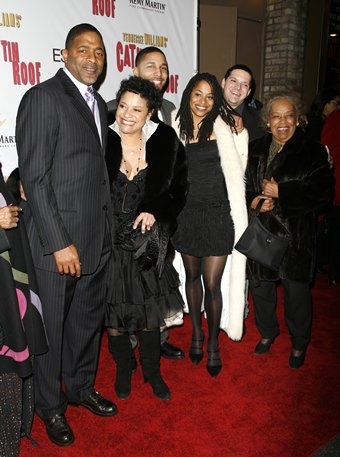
(284, 45)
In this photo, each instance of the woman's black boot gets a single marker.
(120, 348)
(150, 349)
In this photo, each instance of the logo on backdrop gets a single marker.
(10, 20)
(128, 48)
(157, 7)
(6, 141)
(103, 8)
(25, 73)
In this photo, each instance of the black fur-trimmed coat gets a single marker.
(305, 183)
(166, 177)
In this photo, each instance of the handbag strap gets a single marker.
(257, 210)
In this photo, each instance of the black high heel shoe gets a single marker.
(214, 364)
(196, 351)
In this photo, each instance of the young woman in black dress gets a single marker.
(214, 215)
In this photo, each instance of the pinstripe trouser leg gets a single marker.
(73, 313)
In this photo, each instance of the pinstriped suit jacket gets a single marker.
(62, 167)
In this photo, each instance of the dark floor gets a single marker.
(332, 449)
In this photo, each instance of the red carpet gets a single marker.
(257, 407)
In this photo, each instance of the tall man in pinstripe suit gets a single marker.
(61, 143)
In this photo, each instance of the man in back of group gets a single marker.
(239, 88)
(151, 64)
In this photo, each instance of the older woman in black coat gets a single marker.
(291, 173)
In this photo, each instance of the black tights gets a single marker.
(211, 270)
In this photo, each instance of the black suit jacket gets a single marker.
(251, 120)
(62, 167)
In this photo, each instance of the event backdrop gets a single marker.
(33, 32)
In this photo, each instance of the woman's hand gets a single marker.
(147, 220)
(270, 188)
(9, 216)
(267, 205)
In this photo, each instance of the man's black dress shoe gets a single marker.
(263, 346)
(99, 405)
(58, 430)
(169, 351)
(297, 358)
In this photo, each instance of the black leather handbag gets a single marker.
(259, 244)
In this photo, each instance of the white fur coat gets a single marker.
(233, 151)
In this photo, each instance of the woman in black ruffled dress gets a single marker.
(147, 169)
(215, 211)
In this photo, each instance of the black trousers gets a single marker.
(334, 243)
(73, 310)
(297, 310)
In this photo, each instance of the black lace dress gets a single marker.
(205, 226)
(139, 299)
